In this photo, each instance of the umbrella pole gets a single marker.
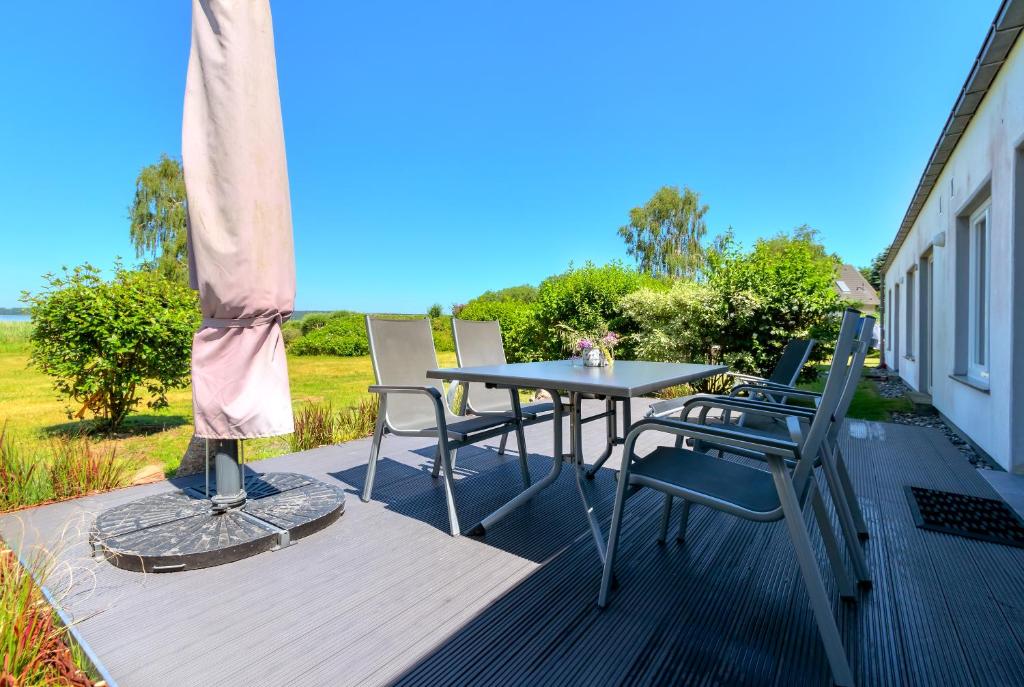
(230, 491)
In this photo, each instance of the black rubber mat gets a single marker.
(989, 520)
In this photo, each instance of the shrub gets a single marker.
(291, 331)
(524, 293)
(688, 323)
(792, 277)
(340, 335)
(519, 329)
(441, 327)
(105, 342)
(750, 306)
(313, 321)
(586, 299)
(435, 311)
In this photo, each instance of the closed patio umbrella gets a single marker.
(242, 263)
(240, 231)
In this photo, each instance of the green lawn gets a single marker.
(33, 412)
(867, 404)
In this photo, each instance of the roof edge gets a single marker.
(999, 41)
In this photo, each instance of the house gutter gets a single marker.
(1000, 39)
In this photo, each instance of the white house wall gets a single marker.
(985, 152)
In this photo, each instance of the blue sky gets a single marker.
(440, 149)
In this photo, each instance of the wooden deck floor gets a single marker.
(385, 596)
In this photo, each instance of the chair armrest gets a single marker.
(753, 379)
(733, 437)
(780, 410)
(776, 390)
(400, 389)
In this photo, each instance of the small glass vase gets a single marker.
(593, 357)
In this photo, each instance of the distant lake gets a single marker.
(14, 318)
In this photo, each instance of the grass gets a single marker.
(867, 404)
(35, 414)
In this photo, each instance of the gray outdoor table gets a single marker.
(619, 382)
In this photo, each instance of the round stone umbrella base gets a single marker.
(180, 531)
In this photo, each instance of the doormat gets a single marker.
(975, 517)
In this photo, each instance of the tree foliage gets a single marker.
(664, 235)
(873, 273)
(157, 218)
(106, 343)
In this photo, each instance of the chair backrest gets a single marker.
(846, 345)
(794, 357)
(402, 351)
(479, 343)
(863, 343)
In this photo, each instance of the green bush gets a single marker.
(587, 299)
(793, 278)
(519, 330)
(107, 342)
(343, 335)
(524, 293)
(291, 331)
(750, 306)
(435, 311)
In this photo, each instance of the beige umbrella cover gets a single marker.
(241, 257)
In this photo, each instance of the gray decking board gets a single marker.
(385, 596)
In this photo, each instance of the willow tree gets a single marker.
(664, 234)
(157, 215)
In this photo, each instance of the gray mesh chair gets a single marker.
(479, 343)
(745, 491)
(784, 376)
(829, 456)
(412, 405)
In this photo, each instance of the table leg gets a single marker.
(612, 425)
(576, 430)
(556, 468)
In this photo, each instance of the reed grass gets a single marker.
(34, 647)
(319, 424)
(62, 469)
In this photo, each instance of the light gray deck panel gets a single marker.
(386, 596)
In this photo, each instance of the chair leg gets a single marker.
(607, 576)
(851, 495)
(841, 673)
(684, 518)
(666, 513)
(847, 590)
(524, 457)
(437, 462)
(835, 490)
(371, 467)
(501, 445)
(447, 456)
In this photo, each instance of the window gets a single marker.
(910, 312)
(842, 286)
(977, 297)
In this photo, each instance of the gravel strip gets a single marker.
(891, 386)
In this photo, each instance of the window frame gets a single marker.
(910, 311)
(979, 262)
